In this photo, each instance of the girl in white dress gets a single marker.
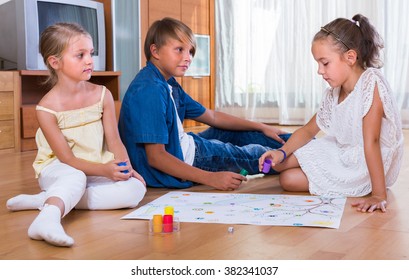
(361, 152)
(79, 148)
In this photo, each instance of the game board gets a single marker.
(254, 209)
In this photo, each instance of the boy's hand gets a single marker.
(274, 132)
(226, 181)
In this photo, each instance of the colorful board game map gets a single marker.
(253, 209)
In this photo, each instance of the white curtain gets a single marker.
(265, 69)
(397, 53)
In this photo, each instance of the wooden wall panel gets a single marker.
(198, 89)
(144, 23)
(195, 14)
(159, 9)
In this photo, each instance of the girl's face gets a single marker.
(332, 65)
(77, 62)
(172, 59)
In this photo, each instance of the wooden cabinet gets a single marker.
(199, 16)
(20, 92)
(9, 117)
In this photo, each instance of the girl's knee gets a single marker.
(77, 182)
(286, 182)
(293, 180)
(123, 194)
(79, 178)
(135, 192)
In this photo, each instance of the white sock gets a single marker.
(26, 202)
(47, 226)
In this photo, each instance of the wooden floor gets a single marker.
(102, 235)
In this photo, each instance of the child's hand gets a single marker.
(370, 204)
(226, 181)
(273, 155)
(138, 176)
(130, 171)
(118, 170)
(274, 132)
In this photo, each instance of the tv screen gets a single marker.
(51, 13)
(23, 21)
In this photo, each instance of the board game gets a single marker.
(253, 209)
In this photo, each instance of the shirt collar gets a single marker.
(172, 81)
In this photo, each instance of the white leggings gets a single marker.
(77, 190)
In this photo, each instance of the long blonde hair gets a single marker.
(54, 40)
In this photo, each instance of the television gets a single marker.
(22, 22)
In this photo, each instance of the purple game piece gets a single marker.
(266, 166)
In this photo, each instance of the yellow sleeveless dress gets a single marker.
(83, 131)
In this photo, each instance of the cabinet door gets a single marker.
(6, 96)
(6, 105)
(6, 110)
(6, 134)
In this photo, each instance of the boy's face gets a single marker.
(172, 59)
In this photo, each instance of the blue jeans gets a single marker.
(225, 150)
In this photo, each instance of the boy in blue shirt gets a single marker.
(152, 114)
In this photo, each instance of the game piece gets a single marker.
(244, 172)
(123, 164)
(157, 223)
(266, 166)
(167, 223)
(169, 210)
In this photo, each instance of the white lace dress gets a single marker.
(335, 163)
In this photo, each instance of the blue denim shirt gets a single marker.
(148, 116)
